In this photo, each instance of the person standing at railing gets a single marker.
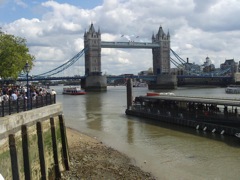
(34, 95)
(40, 92)
(5, 97)
(53, 92)
(14, 96)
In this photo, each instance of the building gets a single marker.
(208, 66)
(230, 66)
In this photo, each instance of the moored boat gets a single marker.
(233, 89)
(139, 84)
(216, 115)
(73, 91)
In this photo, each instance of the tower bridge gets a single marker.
(160, 46)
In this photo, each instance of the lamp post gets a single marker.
(27, 69)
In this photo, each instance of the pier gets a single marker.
(207, 114)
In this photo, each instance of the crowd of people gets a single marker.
(20, 92)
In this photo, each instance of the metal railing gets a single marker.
(15, 106)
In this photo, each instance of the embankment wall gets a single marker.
(33, 144)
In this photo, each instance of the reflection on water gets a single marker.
(130, 132)
(93, 111)
(169, 151)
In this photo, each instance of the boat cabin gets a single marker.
(214, 110)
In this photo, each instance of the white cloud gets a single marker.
(124, 61)
(197, 28)
(21, 3)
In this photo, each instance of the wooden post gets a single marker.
(41, 151)
(64, 142)
(55, 152)
(129, 93)
(14, 159)
(26, 162)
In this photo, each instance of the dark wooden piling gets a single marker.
(41, 151)
(55, 152)
(25, 148)
(129, 93)
(64, 142)
(14, 158)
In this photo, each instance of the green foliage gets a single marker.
(14, 54)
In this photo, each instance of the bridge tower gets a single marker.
(161, 62)
(92, 44)
(161, 55)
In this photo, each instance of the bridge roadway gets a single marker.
(152, 78)
(41, 78)
(130, 44)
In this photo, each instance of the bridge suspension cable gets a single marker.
(175, 62)
(63, 66)
(178, 57)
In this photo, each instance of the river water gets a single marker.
(167, 151)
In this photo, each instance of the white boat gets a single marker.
(233, 89)
(139, 84)
(73, 91)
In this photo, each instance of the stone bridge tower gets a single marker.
(161, 62)
(161, 55)
(92, 44)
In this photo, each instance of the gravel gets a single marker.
(91, 159)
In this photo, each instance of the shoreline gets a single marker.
(90, 158)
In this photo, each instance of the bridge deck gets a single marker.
(144, 45)
(148, 77)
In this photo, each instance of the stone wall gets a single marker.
(96, 83)
(164, 81)
(33, 144)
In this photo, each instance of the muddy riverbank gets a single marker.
(91, 159)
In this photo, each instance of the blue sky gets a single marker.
(11, 10)
(54, 30)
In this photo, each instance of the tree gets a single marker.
(14, 54)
